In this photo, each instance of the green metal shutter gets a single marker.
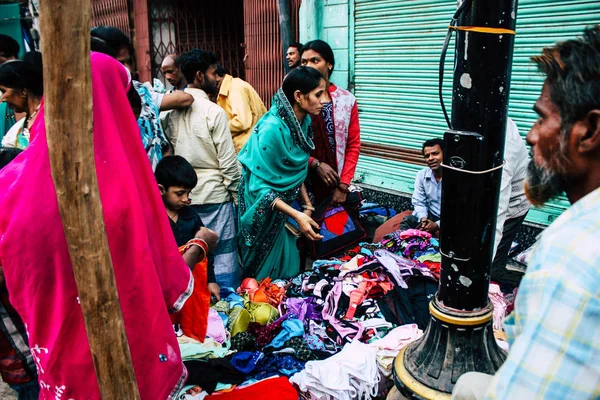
(396, 51)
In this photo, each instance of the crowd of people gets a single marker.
(216, 200)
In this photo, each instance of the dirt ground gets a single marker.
(6, 393)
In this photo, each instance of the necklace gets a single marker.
(30, 117)
(173, 217)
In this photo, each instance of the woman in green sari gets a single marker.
(275, 164)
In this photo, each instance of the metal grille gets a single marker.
(264, 63)
(111, 13)
(181, 25)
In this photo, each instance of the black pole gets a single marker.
(459, 337)
(479, 106)
(285, 28)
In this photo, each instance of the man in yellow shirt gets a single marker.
(243, 107)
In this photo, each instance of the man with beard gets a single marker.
(201, 135)
(292, 55)
(554, 330)
(427, 195)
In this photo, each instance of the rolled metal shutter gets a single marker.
(397, 47)
(112, 13)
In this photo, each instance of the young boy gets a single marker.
(176, 178)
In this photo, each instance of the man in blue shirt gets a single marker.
(427, 195)
(554, 330)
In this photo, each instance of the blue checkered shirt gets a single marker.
(555, 329)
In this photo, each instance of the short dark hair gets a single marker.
(221, 71)
(100, 46)
(7, 154)
(196, 60)
(432, 143)
(572, 71)
(9, 46)
(296, 45)
(323, 49)
(175, 171)
(303, 79)
(26, 74)
(113, 38)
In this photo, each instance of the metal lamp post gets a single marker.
(460, 337)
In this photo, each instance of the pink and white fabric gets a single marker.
(151, 276)
(343, 103)
(216, 329)
(414, 232)
(390, 345)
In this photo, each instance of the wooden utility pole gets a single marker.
(285, 28)
(65, 42)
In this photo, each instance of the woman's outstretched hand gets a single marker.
(306, 225)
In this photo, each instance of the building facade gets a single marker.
(388, 53)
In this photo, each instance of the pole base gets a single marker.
(455, 342)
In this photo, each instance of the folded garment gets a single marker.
(192, 349)
(216, 329)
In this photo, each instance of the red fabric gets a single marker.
(151, 277)
(12, 368)
(274, 388)
(193, 317)
(391, 225)
(11, 365)
(336, 223)
(434, 267)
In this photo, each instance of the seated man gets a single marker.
(427, 196)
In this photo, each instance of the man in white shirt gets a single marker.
(513, 205)
(201, 135)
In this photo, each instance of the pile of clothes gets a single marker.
(329, 333)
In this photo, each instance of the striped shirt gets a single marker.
(555, 329)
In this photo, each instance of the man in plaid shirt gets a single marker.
(555, 329)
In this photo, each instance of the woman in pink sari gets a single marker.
(152, 278)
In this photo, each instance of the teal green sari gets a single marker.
(275, 164)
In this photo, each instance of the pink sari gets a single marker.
(151, 276)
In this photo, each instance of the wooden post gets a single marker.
(65, 43)
(285, 29)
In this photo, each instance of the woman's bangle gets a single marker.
(197, 242)
(308, 207)
(274, 202)
(316, 165)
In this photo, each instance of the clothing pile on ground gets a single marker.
(329, 333)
